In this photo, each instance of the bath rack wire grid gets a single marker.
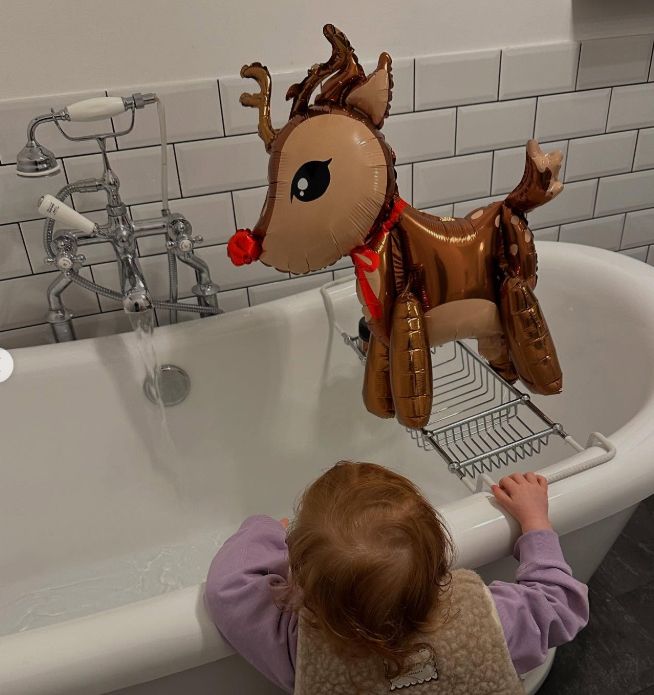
(479, 422)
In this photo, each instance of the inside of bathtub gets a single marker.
(480, 423)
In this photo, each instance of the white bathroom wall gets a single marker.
(458, 124)
(51, 47)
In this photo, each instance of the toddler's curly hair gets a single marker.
(369, 560)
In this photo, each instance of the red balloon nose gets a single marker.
(243, 247)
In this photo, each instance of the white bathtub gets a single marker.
(107, 525)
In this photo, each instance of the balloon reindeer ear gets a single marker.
(373, 97)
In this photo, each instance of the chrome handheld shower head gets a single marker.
(36, 160)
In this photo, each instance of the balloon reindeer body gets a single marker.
(422, 280)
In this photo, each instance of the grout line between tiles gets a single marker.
(608, 112)
(231, 196)
(596, 198)
(179, 178)
(456, 130)
(27, 325)
(413, 178)
(220, 106)
(633, 161)
(651, 60)
(533, 126)
(624, 224)
(413, 103)
(22, 236)
(581, 43)
(493, 175)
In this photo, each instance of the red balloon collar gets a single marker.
(244, 248)
(366, 259)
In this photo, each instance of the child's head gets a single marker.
(369, 557)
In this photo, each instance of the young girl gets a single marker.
(359, 597)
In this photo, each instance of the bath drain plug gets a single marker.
(173, 386)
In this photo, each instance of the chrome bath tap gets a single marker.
(120, 230)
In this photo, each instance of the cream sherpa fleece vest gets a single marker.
(468, 655)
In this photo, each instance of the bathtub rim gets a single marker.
(172, 632)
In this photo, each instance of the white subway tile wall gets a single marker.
(638, 229)
(610, 62)
(572, 115)
(625, 192)
(456, 178)
(192, 113)
(456, 79)
(631, 107)
(416, 137)
(639, 253)
(645, 150)
(604, 232)
(547, 233)
(537, 70)
(213, 166)
(600, 155)
(13, 259)
(493, 126)
(575, 202)
(458, 125)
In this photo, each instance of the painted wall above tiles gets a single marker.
(150, 40)
(458, 125)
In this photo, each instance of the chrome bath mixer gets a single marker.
(121, 231)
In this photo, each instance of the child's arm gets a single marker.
(239, 599)
(547, 606)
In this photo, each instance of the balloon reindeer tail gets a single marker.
(540, 182)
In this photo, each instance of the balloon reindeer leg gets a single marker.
(422, 280)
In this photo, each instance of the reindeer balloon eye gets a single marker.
(310, 181)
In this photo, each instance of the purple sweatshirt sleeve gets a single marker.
(239, 599)
(546, 607)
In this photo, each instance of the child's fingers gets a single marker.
(501, 496)
(542, 481)
(508, 483)
(284, 522)
(518, 477)
(531, 477)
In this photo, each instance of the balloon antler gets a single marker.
(260, 101)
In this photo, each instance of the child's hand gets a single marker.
(284, 522)
(525, 498)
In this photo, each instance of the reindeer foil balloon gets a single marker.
(422, 280)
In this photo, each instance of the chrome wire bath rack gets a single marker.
(479, 423)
